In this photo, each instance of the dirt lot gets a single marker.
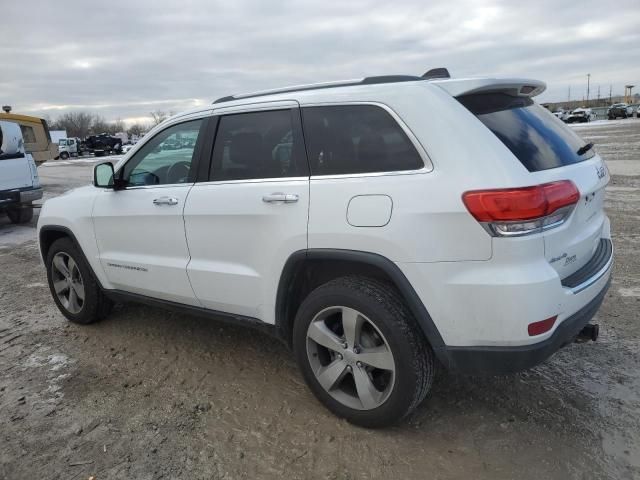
(149, 394)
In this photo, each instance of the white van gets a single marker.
(19, 183)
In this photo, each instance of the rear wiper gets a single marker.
(584, 149)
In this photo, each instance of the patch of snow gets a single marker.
(629, 292)
(15, 234)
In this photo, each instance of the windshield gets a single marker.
(536, 137)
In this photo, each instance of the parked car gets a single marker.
(619, 110)
(580, 115)
(19, 182)
(354, 223)
(562, 114)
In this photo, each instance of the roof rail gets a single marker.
(319, 86)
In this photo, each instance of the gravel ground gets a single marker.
(149, 394)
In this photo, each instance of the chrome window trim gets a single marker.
(146, 187)
(422, 152)
(253, 180)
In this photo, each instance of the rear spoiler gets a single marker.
(521, 87)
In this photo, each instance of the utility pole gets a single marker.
(569, 96)
(598, 102)
(588, 83)
(610, 87)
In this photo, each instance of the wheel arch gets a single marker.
(50, 233)
(308, 269)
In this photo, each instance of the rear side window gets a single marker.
(258, 145)
(535, 136)
(345, 139)
(28, 134)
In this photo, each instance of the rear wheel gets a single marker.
(361, 352)
(20, 214)
(73, 286)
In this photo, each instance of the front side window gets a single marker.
(258, 145)
(166, 158)
(346, 139)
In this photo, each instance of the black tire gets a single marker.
(385, 308)
(19, 215)
(96, 305)
(64, 155)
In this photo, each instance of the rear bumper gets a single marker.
(501, 360)
(19, 196)
(27, 196)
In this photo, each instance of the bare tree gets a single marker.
(117, 126)
(137, 129)
(99, 125)
(158, 116)
(76, 124)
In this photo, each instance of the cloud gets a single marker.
(124, 59)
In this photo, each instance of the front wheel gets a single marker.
(361, 352)
(73, 286)
(64, 155)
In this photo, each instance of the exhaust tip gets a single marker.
(589, 332)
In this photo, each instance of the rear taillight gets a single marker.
(521, 211)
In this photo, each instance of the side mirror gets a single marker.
(103, 175)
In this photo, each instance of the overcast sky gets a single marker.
(124, 59)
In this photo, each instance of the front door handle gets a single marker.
(165, 201)
(280, 198)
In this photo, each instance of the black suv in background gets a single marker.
(619, 110)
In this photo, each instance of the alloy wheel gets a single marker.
(67, 282)
(350, 358)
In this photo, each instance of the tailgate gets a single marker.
(15, 173)
(570, 246)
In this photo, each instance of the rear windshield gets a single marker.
(536, 137)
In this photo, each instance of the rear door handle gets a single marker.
(165, 201)
(280, 198)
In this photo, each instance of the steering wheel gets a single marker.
(178, 172)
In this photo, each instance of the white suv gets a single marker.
(375, 226)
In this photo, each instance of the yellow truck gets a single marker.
(35, 132)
